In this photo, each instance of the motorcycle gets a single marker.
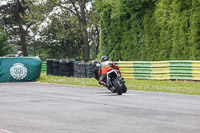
(115, 83)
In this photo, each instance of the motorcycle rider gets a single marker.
(19, 53)
(105, 67)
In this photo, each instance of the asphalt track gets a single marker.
(47, 108)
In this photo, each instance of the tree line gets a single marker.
(121, 29)
(66, 29)
(150, 29)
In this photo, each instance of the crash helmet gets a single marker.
(19, 52)
(104, 58)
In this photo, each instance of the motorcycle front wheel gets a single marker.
(117, 86)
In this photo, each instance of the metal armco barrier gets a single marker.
(160, 70)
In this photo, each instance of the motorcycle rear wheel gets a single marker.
(117, 86)
(124, 88)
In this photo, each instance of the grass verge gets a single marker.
(180, 87)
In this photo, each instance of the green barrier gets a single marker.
(181, 70)
(19, 69)
(142, 70)
(44, 67)
(160, 70)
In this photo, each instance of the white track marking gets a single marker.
(4, 131)
(126, 94)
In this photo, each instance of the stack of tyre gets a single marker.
(87, 70)
(76, 68)
(63, 69)
(49, 65)
(66, 67)
(79, 70)
(91, 70)
(56, 66)
(60, 67)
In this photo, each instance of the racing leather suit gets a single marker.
(105, 67)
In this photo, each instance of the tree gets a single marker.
(126, 28)
(162, 30)
(79, 9)
(3, 43)
(62, 37)
(76, 23)
(22, 17)
(150, 29)
(194, 41)
(93, 19)
(110, 25)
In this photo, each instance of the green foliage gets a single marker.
(72, 31)
(21, 18)
(150, 29)
(194, 41)
(62, 38)
(3, 43)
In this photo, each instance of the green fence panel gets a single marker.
(44, 67)
(142, 70)
(19, 69)
(181, 70)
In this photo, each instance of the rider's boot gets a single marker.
(103, 83)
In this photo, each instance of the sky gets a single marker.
(2, 2)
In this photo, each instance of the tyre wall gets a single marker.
(68, 67)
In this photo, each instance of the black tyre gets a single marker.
(117, 86)
(124, 88)
(49, 65)
(56, 67)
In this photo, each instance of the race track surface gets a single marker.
(47, 108)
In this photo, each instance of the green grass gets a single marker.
(68, 80)
(181, 87)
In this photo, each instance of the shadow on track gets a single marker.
(106, 94)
